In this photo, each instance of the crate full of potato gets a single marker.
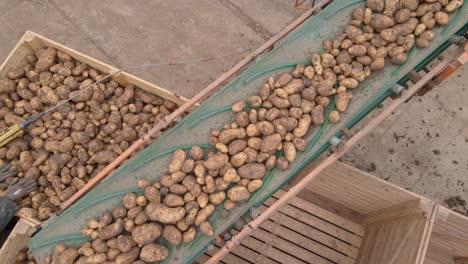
(67, 147)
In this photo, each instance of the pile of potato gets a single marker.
(66, 148)
(267, 133)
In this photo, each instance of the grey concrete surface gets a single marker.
(422, 147)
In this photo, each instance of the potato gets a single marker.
(217, 197)
(422, 43)
(316, 62)
(334, 116)
(96, 258)
(380, 22)
(342, 101)
(119, 212)
(173, 200)
(228, 135)
(172, 235)
(112, 253)
(178, 158)
(317, 115)
(309, 72)
(146, 234)
(164, 214)
(376, 5)
(99, 246)
(419, 29)
(389, 34)
(282, 163)
(231, 176)
(252, 171)
(357, 50)
(408, 43)
(399, 58)
(124, 243)
(238, 193)
(178, 189)
(129, 200)
(282, 80)
(203, 214)
(129, 257)
(402, 15)
(196, 153)
(112, 230)
(441, 18)
(189, 235)
(411, 5)
(206, 229)
(254, 185)
(153, 253)
(152, 194)
(238, 106)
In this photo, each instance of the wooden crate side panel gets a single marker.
(357, 190)
(16, 241)
(16, 57)
(393, 242)
(450, 233)
(436, 255)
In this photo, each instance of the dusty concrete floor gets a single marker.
(422, 147)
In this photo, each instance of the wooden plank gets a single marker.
(438, 255)
(324, 214)
(428, 260)
(450, 233)
(330, 206)
(16, 241)
(406, 209)
(313, 233)
(355, 189)
(268, 250)
(392, 242)
(286, 246)
(318, 223)
(306, 242)
(228, 259)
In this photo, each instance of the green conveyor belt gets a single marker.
(214, 112)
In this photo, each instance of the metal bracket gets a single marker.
(397, 89)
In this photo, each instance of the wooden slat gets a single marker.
(286, 246)
(306, 243)
(268, 250)
(319, 224)
(406, 209)
(428, 260)
(314, 234)
(228, 259)
(324, 214)
(355, 189)
(330, 205)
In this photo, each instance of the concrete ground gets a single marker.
(422, 147)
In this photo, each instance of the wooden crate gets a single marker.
(348, 216)
(27, 45)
